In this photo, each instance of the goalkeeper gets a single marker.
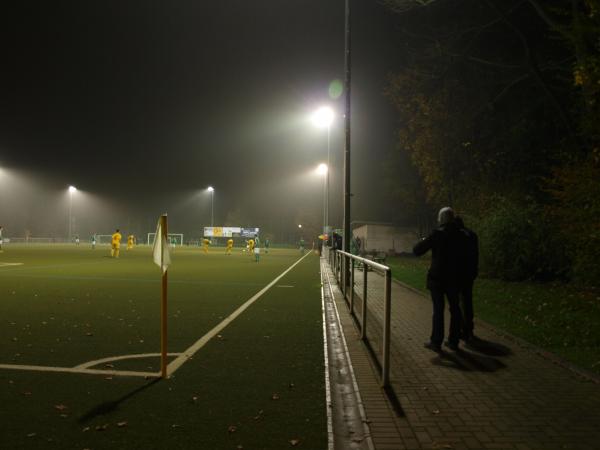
(229, 246)
(115, 244)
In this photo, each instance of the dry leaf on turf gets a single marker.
(86, 429)
(101, 427)
(294, 442)
(436, 411)
(122, 424)
(275, 396)
(232, 428)
(31, 435)
(60, 407)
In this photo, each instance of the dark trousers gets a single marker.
(437, 328)
(466, 305)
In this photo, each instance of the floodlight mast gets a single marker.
(322, 169)
(323, 118)
(212, 205)
(72, 190)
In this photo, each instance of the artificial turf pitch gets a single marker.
(259, 384)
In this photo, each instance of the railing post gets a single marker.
(385, 369)
(352, 286)
(363, 328)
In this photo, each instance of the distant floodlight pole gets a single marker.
(323, 117)
(323, 169)
(212, 205)
(72, 190)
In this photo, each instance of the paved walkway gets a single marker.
(502, 395)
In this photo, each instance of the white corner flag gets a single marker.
(160, 250)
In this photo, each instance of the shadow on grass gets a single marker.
(467, 361)
(110, 406)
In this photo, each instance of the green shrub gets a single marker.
(517, 242)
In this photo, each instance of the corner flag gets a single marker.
(160, 250)
(160, 253)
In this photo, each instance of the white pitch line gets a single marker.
(3, 264)
(125, 373)
(97, 362)
(188, 353)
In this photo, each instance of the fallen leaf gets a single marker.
(64, 416)
(232, 428)
(291, 385)
(436, 411)
(86, 429)
(294, 442)
(101, 427)
(60, 407)
(109, 366)
(30, 435)
(26, 393)
(89, 334)
(194, 398)
(275, 396)
(122, 424)
(175, 425)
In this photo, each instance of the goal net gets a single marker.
(174, 239)
(103, 238)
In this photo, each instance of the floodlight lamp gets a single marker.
(300, 226)
(322, 169)
(72, 189)
(210, 189)
(323, 117)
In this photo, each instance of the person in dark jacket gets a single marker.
(447, 245)
(471, 270)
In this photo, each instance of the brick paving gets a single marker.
(501, 395)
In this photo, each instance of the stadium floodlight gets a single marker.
(300, 225)
(72, 190)
(323, 118)
(212, 205)
(321, 169)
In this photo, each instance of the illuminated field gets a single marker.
(258, 383)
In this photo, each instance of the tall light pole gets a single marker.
(323, 118)
(212, 205)
(323, 169)
(72, 190)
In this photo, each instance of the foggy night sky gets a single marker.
(142, 105)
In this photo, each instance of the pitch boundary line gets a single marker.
(3, 264)
(190, 351)
(85, 367)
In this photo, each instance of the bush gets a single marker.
(517, 243)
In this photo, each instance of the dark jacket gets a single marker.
(472, 254)
(448, 247)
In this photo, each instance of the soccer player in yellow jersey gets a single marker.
(229, 246)
(115, 244)
(205, 243)
(130, 239)
(251, 246)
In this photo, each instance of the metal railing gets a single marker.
(366, 285)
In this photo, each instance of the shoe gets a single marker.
(434, 347)
(451, 345)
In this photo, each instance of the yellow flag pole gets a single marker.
(163, 303)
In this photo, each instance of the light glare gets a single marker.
(322, 169)
(72, 189)
(323, 117)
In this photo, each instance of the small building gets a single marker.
(384, 237)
